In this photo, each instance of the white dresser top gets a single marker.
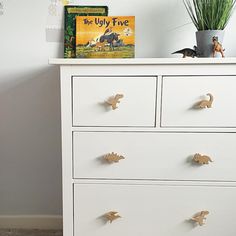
(143, 61)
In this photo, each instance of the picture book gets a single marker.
(105, 37)
(70, 24)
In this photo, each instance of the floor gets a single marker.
(23, 232)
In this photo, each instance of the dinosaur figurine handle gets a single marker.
(114, 101)
(201, 159)
(206, 103)
(111, 216)
(200, 218)
(113, 157)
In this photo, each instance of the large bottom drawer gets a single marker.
(153, 210)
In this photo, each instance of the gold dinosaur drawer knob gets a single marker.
(113, 101)
(206, 103)
(111, 216)
(201, 159)
(113, 157)
(200, 217)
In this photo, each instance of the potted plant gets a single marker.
(210, 17)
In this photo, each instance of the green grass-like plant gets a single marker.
(210, 14)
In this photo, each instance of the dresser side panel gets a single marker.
(66, 120)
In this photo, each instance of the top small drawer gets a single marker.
(182, 97)
(136, 106)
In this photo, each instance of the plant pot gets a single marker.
(204, 42)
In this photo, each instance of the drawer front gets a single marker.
(135, 108)
(182, 96)
(154, 156)
(153, 210)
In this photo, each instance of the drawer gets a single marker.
(135, 108)
(154, 155)
(153, 210)
(182, 95)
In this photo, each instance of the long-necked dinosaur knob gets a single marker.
(206, 103)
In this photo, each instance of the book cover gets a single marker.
(70, 13)
(105, 37)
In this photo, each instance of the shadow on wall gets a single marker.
(30, 169)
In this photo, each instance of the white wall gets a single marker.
(30, 158)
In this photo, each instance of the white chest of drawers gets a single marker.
(141, 159)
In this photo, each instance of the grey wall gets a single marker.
(30, 157)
